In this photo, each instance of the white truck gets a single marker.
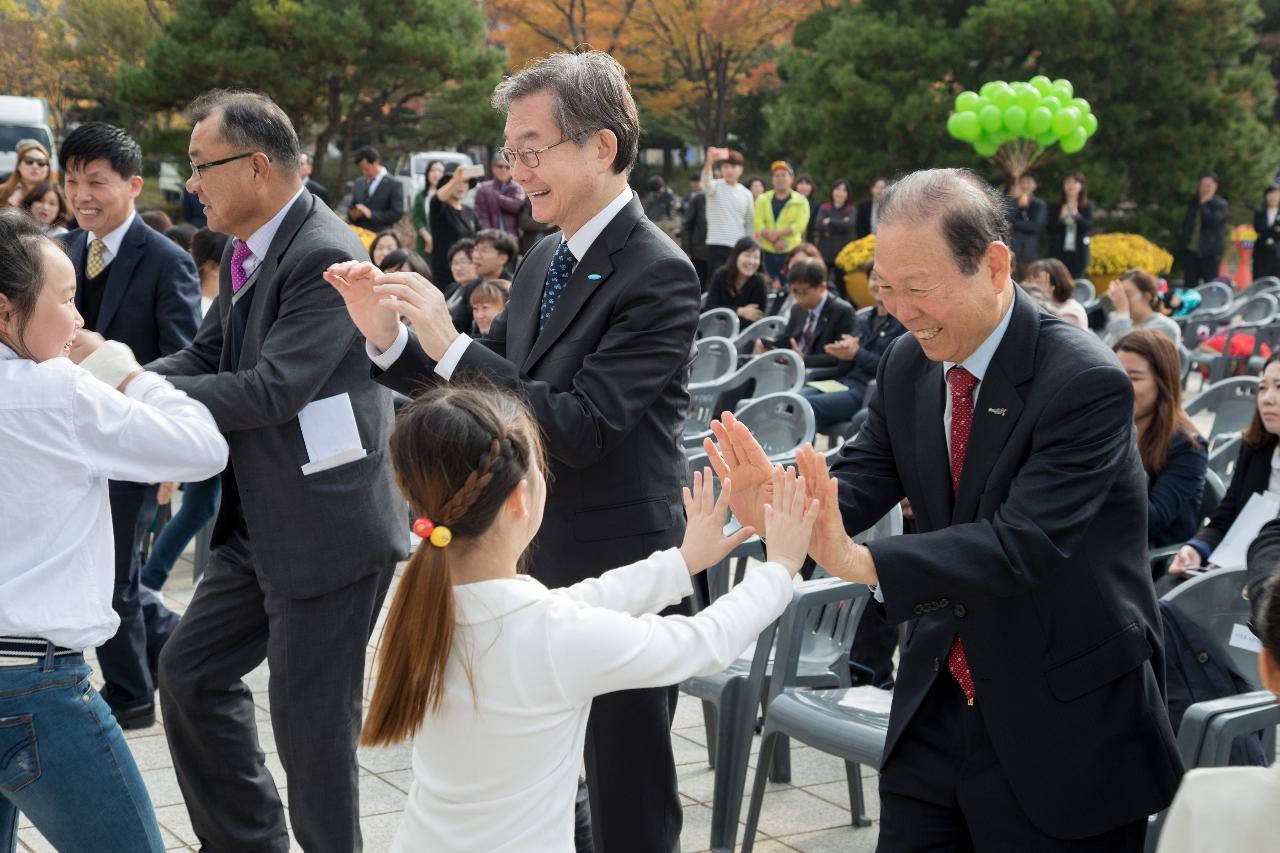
(22, 119)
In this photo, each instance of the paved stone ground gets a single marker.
(809, 815)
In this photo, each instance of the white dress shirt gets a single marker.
(111, 241)
(1224, 808)
(497, 769)
(579, 243)
(260, 241)
(377, 179)
(63, 434)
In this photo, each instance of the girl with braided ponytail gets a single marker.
(491, 672)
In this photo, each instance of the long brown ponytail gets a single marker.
(457, 453)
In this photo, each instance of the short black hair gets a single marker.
(97, 140)
(466, 244)
(251, 120)
(808, 271)
(368, 154)
(656, 183)
(502, 242)
(181, 235)
(208, 245)
(398, 258)
(1211, 175)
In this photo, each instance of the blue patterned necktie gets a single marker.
(562, 264)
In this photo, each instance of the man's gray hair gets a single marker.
(970, 212)
(251, 121)
(591, 94)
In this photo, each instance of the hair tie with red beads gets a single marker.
(437, 534)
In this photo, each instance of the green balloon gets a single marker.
(966, 101)
(1051, 104)
(1063, 83)
(1075, 141)
(1082, 105)
(964, 126)
(988, 88)
(1015, 119)
(990, 117)
(1029, 98)
(999, 137)
(986, 148)
(1067, 120)
(1039, 121)
(1046, 139)
(1062, 93)
(1089, 123)
(1041, 83)
(1003, 97)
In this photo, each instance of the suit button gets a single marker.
(937, 664)
(943, 602)
(919, 608)
(1203, 657)
(959, 611)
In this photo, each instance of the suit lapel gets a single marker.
(120, 274)
(526, 299)
(76, 249)
(933, 464)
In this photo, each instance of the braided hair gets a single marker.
(458, 453)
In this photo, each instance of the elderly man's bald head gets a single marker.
(969, 212)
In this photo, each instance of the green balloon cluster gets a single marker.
(1042, 110)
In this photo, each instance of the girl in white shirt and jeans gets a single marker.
(493, 672)
(64, 431)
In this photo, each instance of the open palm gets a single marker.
(736, 454)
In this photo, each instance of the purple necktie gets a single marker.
(238, 256)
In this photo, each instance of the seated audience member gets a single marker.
(494, 254)
(47, 205)
(406, 260)
(1174, 454)
(383, 244)
(462, 269)
(1137, 300)
(1233, 808)
(64, 430)
(818, 316)
(779, 286)
(739, 285)
(493, 674)
(158, 220)
(199, 499)
(488, 299)
(1257, 470)
(1051, 277)
(871, 336)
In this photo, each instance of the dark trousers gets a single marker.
(315, 648)
(143, 632)
(717, 256)
(631, 773)
(834, 407)
(1197, 269)
(700, 267)
(943, 789)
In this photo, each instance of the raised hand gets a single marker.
(704, 541)
(423, 305)
(789, 518)
(354, 280)
(831, 547)
(736, 455)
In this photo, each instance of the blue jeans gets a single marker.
(833, 407)
(199, 503)
(64, 764)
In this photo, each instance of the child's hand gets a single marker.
(704, 541)
(789, 520)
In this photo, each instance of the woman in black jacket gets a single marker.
(1266, 221)
(1257, 470)
(833, 228)
(1070, 221)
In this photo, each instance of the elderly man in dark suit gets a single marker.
(1029, 710)
(307, 538)
(377, 199)
(597, 338)
(134, 286)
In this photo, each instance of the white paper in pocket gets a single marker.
(330, 433)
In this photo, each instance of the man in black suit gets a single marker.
(1202, 232)
(818, 318)
(1029, 710)
(314, 187)
(303, 548)
(597, 338)
(377, 199)
(135, 286)
(867, 219)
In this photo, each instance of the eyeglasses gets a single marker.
(197, 167)
(34, 161)
(528, 156)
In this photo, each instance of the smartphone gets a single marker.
(719, 154)
(473, 171)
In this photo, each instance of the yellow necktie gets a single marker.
(95, 266)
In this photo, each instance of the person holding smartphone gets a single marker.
(729, 205)
(448, 219)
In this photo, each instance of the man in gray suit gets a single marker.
(302, 553)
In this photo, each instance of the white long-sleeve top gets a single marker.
(497, 770)
(1224, 808)
(63, 434)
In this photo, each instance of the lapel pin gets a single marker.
(1000, 412)
(595, 276)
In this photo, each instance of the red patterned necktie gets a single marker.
(961, 382)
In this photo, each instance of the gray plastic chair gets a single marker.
(1223, 455)
(1215, 602)
(715, 359)
(1247, 318)
(765, 327)
(773, 372)
(1232, 402)
(718, 323)
(1216, 300)
(1268, 336)
(1085, 293)
(1266, 284)
(780, 422)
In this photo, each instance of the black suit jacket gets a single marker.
(311, 534)
(386, 205)
(835, 319)
(318, 190)
(1213, 219)
(152, 297)
(862, 222)
(1252, 474)
(1038, 564)
(1262, 563)
(607, 381)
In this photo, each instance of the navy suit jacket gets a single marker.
(152, 297)
(1038, 563)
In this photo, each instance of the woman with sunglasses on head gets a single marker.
(32, 167)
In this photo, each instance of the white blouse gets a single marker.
(63, 434)
(1224, 808)
(497, 769)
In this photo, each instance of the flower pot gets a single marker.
(856, 284)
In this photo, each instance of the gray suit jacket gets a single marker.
(386, 205)
(310, 534)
